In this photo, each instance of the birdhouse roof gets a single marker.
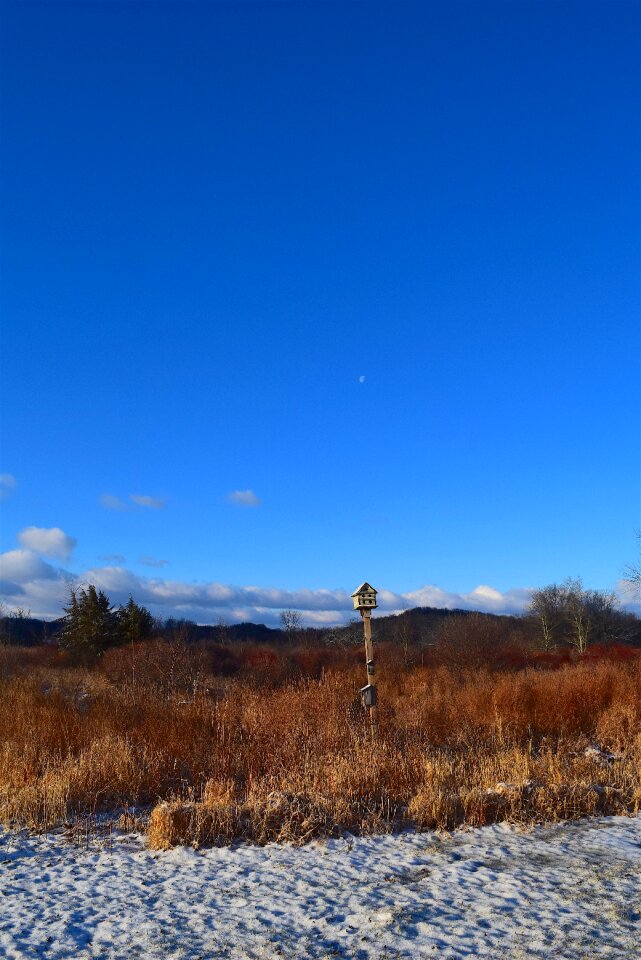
(364, 588)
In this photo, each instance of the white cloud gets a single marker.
(7, 484)
(152, 562)
(23, 566)
(29, 582)
(50, 542)
(487, 594)
(244, 498)
(483, 598)
(110, 502)
(144, 501)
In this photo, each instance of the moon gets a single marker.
(361, 379)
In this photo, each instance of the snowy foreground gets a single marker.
(570, 890)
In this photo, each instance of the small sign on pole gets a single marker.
(365, 601)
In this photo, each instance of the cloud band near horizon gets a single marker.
(28, 581)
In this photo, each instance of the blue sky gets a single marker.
(300, 294)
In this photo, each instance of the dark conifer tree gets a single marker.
(135, 622)
(90, 624)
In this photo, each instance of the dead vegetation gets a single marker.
(280, 750)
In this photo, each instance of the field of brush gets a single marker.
(203, 745)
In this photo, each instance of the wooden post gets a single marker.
(364, 598)
(371, 671)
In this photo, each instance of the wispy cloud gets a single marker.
(7, 485)
(50, 542)
(152, 562)
(151, 503)
(112, 558)
(110, 502)
(244, 498)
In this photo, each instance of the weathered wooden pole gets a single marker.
(365, 602)
(371, 671)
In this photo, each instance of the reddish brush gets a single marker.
(167, 722)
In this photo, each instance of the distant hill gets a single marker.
(416, 624)
(28, 631)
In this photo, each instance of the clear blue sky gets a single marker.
(217, 219)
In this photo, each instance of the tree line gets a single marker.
(570, 615)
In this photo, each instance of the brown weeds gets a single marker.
(288, 758)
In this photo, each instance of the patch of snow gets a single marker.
(566, 891)
(596, 753)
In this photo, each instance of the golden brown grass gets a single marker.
(224, 758)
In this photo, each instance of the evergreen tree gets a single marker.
(90, 624)
(135, 623)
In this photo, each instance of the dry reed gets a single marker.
(224, 757)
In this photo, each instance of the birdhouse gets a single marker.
(368, 695)
(364, 597)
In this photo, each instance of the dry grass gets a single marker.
(225, 757)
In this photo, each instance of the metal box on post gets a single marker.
(368, 695)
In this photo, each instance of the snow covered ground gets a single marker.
(565, 891)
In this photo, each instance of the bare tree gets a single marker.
(632, 574)
(292, 621)
(546, 606)
(575, 601)
(575, 616)
(402, 634)
(345, 636)
(222, 632)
